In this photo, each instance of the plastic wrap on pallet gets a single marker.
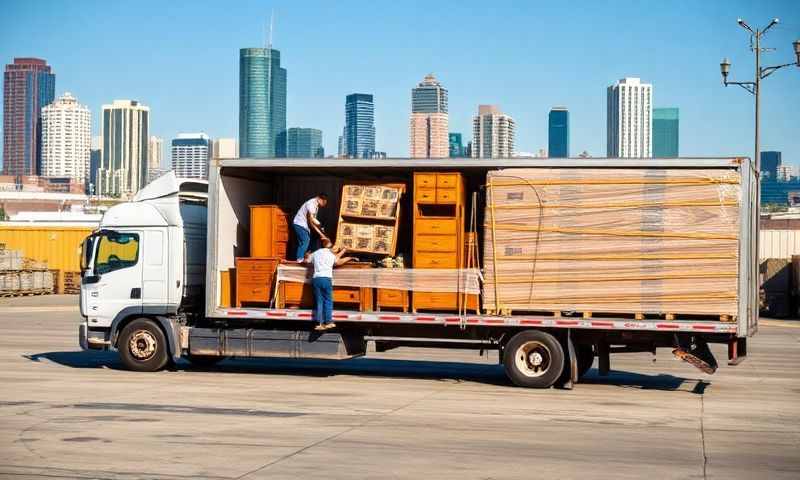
(9, 282)
(612, 240)
(38, 280)
(10, 259)
(428, 280)
(26, 280)
(48, 282)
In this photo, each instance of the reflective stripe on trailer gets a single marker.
(483, 320)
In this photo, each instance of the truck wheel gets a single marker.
(204, 361)
(585, 354)
(142, 346)
(533, 359)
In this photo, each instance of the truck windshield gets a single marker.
(116, 251)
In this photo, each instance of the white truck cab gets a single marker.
(146, 261)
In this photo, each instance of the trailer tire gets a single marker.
(143, 346)
(585, 354)
(533, 359)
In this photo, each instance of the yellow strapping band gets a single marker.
(611, 256)
(677, 276)
(617, 233)
(676, 203)
(620, 181)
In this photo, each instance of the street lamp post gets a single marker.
(761, 73)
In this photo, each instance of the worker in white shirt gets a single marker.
(324, 260)
(305, 220)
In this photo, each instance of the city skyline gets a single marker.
(316, 87)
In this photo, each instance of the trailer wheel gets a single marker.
(585, 354)
(533, 359)
(142, 346)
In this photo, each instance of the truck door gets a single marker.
(154, 268)
(115, 282)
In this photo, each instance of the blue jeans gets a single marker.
(323, 299)
(303, 239)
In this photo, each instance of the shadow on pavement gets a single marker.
(375, 367)
(661, 381)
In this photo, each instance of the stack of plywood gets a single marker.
(638, 241)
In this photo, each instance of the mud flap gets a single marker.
(570, 375)
(695, 351)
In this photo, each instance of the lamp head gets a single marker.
(796, 45)
(725, 68)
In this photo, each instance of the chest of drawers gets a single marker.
(254, 280)
(300, 295)
(269, 231)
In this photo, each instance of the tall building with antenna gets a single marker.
(262, 102)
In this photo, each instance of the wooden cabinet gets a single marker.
(269, 231)
(254, 279)
(389, 298)
(438, 240)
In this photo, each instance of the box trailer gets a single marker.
(158, 274)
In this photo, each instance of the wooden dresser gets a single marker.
(300, 295)
(390, 298)
(269, 231)
(254, 280)
(438, 239)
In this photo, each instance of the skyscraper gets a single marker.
(225, 148)
(190, 155)
(304, 143)
(770, 161)
(262, 103)
(455, 145)
(665, 133)
(558, 133)
(341, 151)
(492, 133)
(155, 152)
(359, 121)
(28, 85)
(126, 132)
(429, 120)
(629, 119)
(66, 139)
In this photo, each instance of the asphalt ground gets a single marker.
(405, 413)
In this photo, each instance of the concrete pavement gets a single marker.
(400, 414)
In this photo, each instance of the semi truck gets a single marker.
(152, 286)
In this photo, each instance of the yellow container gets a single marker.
(59, 246)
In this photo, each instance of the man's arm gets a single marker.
(341, 259)
(314, 223)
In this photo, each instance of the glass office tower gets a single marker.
(304, 143)
(558, 133)
(665, 133)
(262, 103)
(456, 146)
(359, 111)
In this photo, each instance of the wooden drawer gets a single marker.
(447, 180)
(254, 293)
(435, 243)
(248, 264)
(425, 180)
(446, 195)
(435, 300)
(426, 226)
(392, 299)
(347, 295)
(435, 260)
(426, 195)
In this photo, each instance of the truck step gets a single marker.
(251, 342)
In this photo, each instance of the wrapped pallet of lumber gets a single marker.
(612, 240)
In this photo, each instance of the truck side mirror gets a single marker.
(89, 279)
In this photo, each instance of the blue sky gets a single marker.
(181, 59)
